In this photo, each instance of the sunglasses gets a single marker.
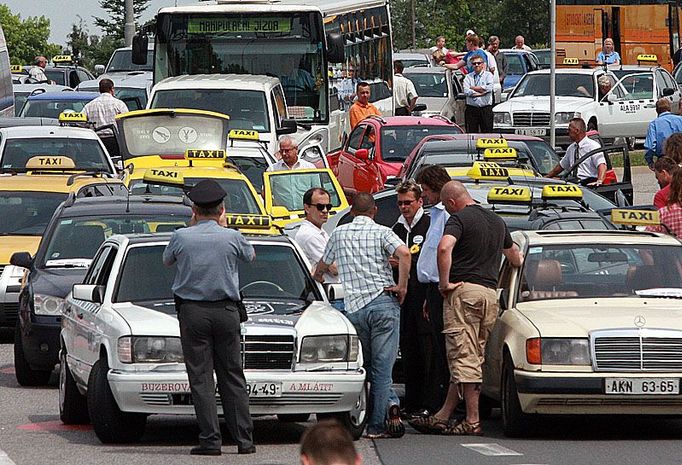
(405, 203)
(322, 206)
(478, 63)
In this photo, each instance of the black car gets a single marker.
(75, 232)
(65, 75)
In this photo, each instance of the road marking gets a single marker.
(491, 449)
(4, 459)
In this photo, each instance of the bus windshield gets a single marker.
(286, 45)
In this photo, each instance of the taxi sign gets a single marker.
(16, 69)
(72, 117)
(248, 221)
(163, 176)
(647, 57)
(489, 143)
(635, 217)
(487, 170)
(50, 162)
(510, 195)
(195, 154)
(62, 59)
(571, 61)
(502, 153)
(562, 191)
(243, 134)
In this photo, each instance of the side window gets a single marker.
(369, 138)
(73, 79)
(355, 138)
(669, 81)
(97, 265)
(108, 265)
(660, 84)
(280, 102)
(82, 75)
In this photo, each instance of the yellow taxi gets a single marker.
(27, 202)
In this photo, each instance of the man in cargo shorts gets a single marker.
(468, 265)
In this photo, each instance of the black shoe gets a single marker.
(247, 450)
(200, 450)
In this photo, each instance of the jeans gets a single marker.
(378, 328)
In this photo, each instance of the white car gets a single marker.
(122, 360)
(590, 325)
(440, 90)
(616, 114)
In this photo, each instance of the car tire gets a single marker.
(293, 418)
(110, 423)
(485, 407)
(515, 423)
(355, 420)
(26, 376)
(73, 406)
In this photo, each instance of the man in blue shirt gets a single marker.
(478, 88)
(659, 130)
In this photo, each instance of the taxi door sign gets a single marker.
(243, 134)
(571, 61)
(204, 154)
(248, 221)
(49, 161)
(489, 143)
(562, 191)
(635, 217)
(509, 195)
(647, 57)
(502, 153)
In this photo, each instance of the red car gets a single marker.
(377, 147)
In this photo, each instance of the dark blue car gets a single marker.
(519, 62)
(51, 104)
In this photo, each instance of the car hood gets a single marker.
(577, 317)
(433, 103)
(11, 244)
(389, 168)
(534, 103)
(56, 282)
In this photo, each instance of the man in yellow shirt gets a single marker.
(361, 109)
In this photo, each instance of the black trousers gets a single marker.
(402, 111)
(414, 346)
(478, 119)
(437, 373)
(209, 333)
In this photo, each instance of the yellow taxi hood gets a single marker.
(577, 317)
(11, 244)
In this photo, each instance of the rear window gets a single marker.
(52, 108)
(87, 154)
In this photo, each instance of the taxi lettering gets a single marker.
(164, 173)
(640, 217)
(489, 142)
(50, 161)
(494, 172)
(205, 154)
(567, 189)
(247, 220)
(510, 191)
(488, 164)
(243, 134)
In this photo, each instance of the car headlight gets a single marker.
(337, 348)
(47, 304)
(150, 349)
(563, 117)
(558, 351)
(502, 118)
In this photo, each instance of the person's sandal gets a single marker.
(394, 425)
(464, 429)
(429, 425)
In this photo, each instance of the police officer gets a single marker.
(206, 289)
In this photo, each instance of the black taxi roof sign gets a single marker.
(52, 162)
(510, 195)
(248, 221)
(72, 117)
(243, 134)
(164, 176)
(490, 143)
(203, 154)
(500, 153)
(562, 192)
(633, 217)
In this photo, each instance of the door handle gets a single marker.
(79, 315)
(67, 309)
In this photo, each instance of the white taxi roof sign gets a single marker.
(72, 117)
(562, 191)
(58, 162)
(248, 221)
(62, 59)
(489, 143)
(647, 57)
(199, 154)
(635, 217)
(164, 176)
(509, 195)
(571, 61)
(243, 134)
(501, 153)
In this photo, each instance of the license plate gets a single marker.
(531, 132)
(642, 385)
(264, 389)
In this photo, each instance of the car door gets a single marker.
(619, 191)
(628, 108)
(454, 108)
(356, 174)
(669, 83)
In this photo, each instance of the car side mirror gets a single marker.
(22, 259)
(611, 98)
(88, 292)
(334, 291)
(139, 52)
(99, 69)
(419, 107)
(504, 97)
(362, 154)
(461, 96)
(287, 126)
(668, 91)
(279, 212)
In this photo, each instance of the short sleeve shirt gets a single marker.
(589, 167)
(312, 241)
(608, 59)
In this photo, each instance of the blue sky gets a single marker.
(63, 13)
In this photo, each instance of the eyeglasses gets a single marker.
(405, 203)
(477, 63)
(321, 206)
(287, 150)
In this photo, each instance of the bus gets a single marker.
(637, 27)
(6, 91)
(303, 43)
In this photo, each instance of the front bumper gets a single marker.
(10, 286)
(584, 393)
(41, 342)
(302, 392)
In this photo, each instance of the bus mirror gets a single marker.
(335, 44)
(139, 54)
(288, 126)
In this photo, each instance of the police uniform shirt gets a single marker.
(207, 256)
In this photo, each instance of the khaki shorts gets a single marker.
(469, 313)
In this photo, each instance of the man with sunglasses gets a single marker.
(478, 88)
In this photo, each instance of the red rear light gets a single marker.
(173, 156)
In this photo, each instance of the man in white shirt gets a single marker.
(37, 73)
(591, 171)
(520, 44)
(287, 191)
(288, 150)
(103, 109)
(440, 46)
(404, 93)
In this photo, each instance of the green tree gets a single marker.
(114, 25)
(92, 49)
(26, 38)
(529, 19)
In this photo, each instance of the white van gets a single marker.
(6, 92)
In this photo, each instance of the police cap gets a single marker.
(207, 193)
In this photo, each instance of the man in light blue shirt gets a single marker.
(478, 88)
(659, 130)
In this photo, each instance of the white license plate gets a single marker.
(642, 385)
(264, 389)
(531, 132)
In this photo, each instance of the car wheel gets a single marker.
(26, 376)
(515, 423)
(485, 407)
(73, 406)
(110, 423)
(355, 420)
(293, 418)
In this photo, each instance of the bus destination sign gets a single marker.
(236, 25)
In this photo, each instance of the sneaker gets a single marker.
(394, 425)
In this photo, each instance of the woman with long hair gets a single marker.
(671, 214)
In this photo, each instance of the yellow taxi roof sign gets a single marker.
(571, 61)
(647, 57)
(248, 221)
(502, 153)
(489, 143)
(198, 154)
(16, 69)
(243, 134)
(635, 217)
(562, 191)
(72, 117)
(510, 195)
(482, 170)
(164, 176)
(58, 162)
(62, 59)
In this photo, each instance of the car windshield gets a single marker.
(543, 155)
(429, 84)
(56, 75)
(246, 108)
(52, 108)
(397, 142)
(288, 188)
(27, 213)
(79, 238)
(253, 168)
(87, 154)
(19, 99)
(567, 85)
(600, 270)
(276, 274)
(122, 60)
(411, 62)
